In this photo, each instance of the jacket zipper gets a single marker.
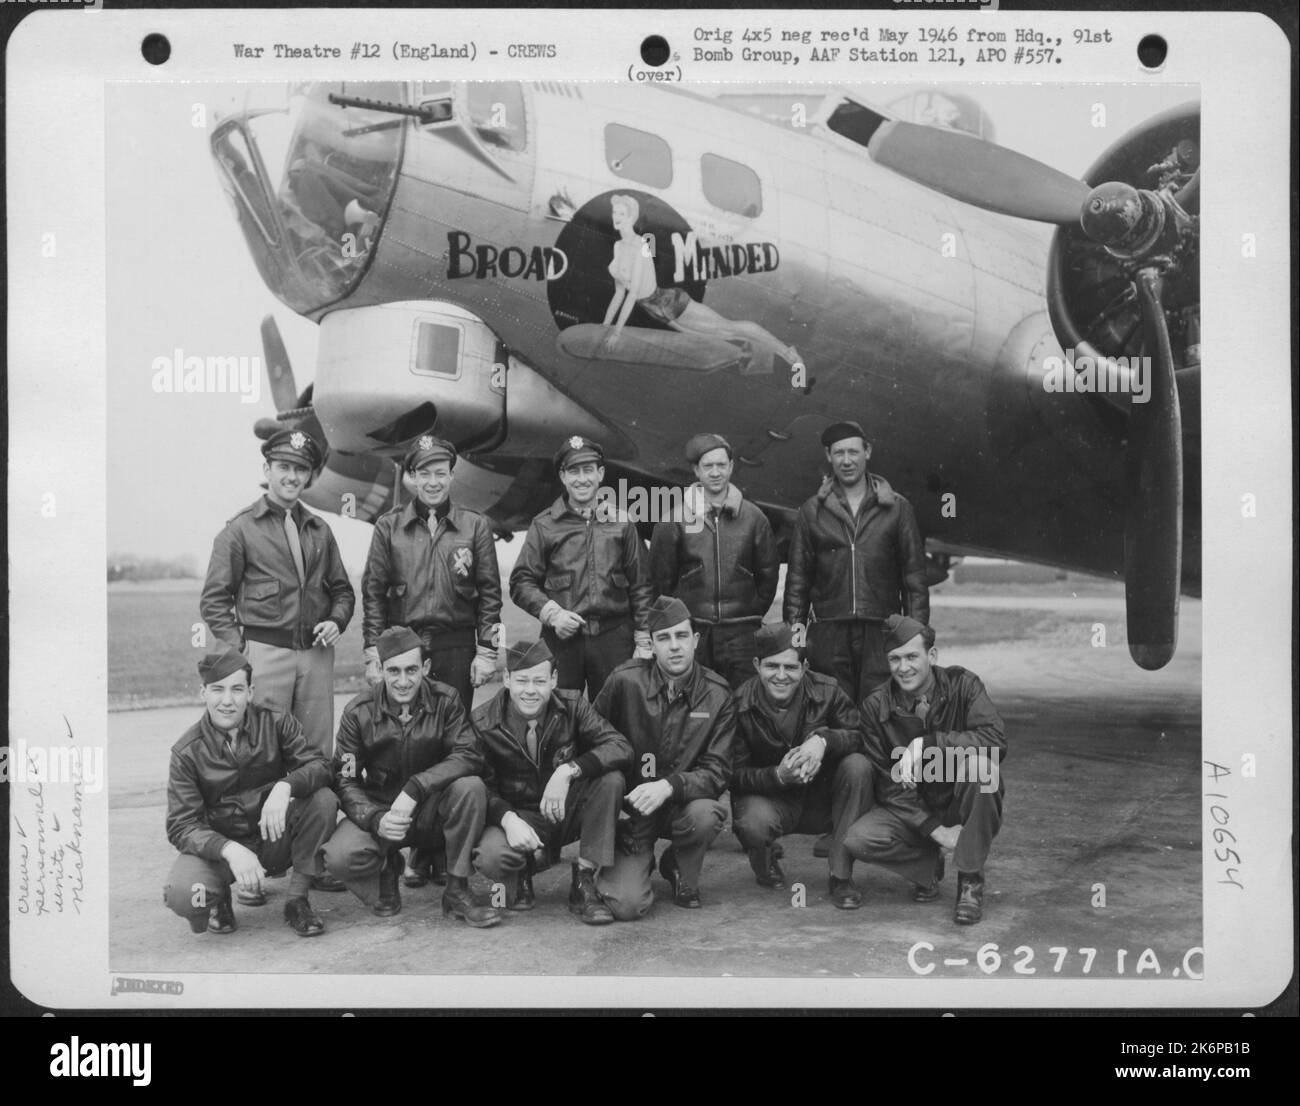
(853, 564)
(717, 567)
(591, 552)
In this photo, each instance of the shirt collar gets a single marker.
(768, 703)
(513, 719)
(659, 682)
(301, 516)
(906, 703)
(221, 737)
(416, 706)
(415, 511)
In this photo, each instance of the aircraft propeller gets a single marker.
(292, 409)
(1146, 231)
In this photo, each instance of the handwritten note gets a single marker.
(51, 867)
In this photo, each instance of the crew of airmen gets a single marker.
(654, 690)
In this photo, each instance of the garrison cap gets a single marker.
(900, 629)
(217, 666)
(397, 640)
(526, 654)
(773, 638)
(667, 611)
(701, 444)
(577, 450)
(426, 449)
(838, 431)
(296, 446)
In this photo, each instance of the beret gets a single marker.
(397, 640)
(701, 444)
(838, 431)
(217, 666)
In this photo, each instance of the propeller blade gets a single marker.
(1153, 526)
(1189, 196)
(278, 369)
(978, 172)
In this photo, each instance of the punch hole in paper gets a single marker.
(654, 50)
(1152, 51)
(156, 49)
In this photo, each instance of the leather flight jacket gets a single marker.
(216, 786)
(568, 731)
(723, 565)
(595, 567)
(377, 756)
(961, 715)
(824, 709)
(696, 759)
(252, 591)
(432, 582)
(867, 567)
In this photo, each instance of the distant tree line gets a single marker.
(131, 566)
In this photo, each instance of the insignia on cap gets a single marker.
(575, 442)
(297, 439)
(426, 441)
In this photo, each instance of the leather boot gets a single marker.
(970, 898)
(845, 893)
(928, 892)
(302, 919)
(221, 915)
(438, 867)
(585, 900)
(460, 902)
(390, 891)
(525, 899)
(417, 868)
(762, 859)
(683, 894)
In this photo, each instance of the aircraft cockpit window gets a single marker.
(311, 179)
(855, 122)
(244, 184)
(731, 186)
(496, 111)
(639, 156)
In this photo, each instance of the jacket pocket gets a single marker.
(558, 585)
(397, 605)
(261, 602)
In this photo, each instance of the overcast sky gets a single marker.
(180, 277)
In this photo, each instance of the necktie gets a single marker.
(295, 545)
(531, 738)
(922, 708)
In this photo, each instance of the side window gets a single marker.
(437, 350)
(496, 112)
(731, 186)
(636, 155)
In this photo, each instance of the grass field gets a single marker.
(153, 630)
